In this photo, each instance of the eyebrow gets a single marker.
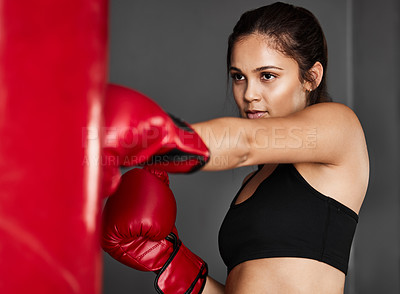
(258, 69)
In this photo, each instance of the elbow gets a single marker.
(244, 154)
(242, 160)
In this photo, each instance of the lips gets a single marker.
(254, 114)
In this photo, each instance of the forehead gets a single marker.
(256, 50)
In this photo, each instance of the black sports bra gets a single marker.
(287, 217)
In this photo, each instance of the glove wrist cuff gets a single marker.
(184, 272)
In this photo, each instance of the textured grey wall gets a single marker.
(377, 97)
(174, 51)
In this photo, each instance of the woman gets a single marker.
(290, 227)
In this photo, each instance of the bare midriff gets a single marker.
(284, 276)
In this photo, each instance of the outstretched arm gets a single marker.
(321, 133)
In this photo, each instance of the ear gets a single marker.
(317, 72)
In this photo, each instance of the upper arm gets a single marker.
(321, 133)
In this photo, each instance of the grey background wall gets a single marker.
(376, 49)
(174, 51)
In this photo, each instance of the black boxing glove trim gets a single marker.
(200, 276)
(177, 245)
(180, 123)
(176, 156)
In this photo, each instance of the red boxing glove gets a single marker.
(139, 131)
(139, 231)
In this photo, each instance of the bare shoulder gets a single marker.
(334, 113)
(339, 123)
(344, 117)
(346, 178)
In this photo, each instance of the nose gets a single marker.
(252, 93)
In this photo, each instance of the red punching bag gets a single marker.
(53, 65)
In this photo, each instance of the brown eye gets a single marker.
(268, 76)
(237, 76)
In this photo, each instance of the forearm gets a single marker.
(213, 287)
(228, 144)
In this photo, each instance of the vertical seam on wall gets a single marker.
(352, 287)
(349, 53)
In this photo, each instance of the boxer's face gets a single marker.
(265, 82)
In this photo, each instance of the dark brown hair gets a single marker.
(295, 32)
